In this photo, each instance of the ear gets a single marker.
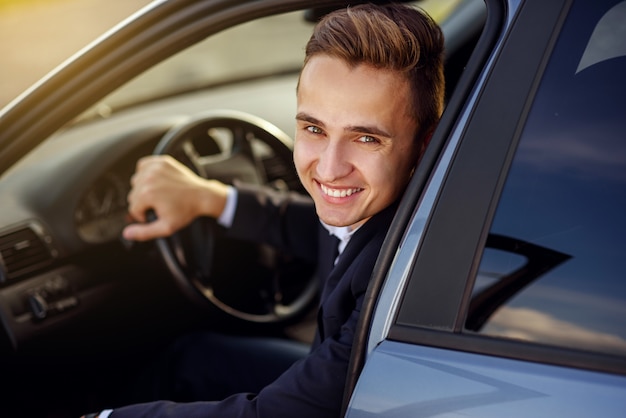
(426, 141)
(422, 148)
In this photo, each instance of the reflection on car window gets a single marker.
(560, 276)
(500, 263)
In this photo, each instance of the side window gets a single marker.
(554, 267)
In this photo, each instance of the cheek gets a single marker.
(307, 149)
(301, 154)
(406, 158)
(394, 171)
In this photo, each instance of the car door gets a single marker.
(506, 295)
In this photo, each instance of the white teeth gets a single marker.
(338, 193)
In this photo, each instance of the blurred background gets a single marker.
(38, 35)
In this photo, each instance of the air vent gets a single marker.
(23, 251)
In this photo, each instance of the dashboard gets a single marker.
(63, 207)
(101, 212)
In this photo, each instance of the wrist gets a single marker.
(214, 200)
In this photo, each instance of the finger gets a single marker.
(136, 210)
(146, 231)
(140, 200)
(143, 161)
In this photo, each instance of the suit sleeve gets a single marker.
(314, 386)
(311, 388)
(286, 221)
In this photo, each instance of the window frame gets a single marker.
(433, 306)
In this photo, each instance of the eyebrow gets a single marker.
(370, 130)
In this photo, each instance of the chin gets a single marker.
(334, 221)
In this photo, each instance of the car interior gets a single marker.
(82, 310)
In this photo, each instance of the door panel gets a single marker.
(404, 380)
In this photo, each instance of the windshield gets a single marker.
(237, 54)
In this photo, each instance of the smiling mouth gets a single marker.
(338, 192)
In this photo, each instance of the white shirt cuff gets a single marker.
(105, 413)
(228, 214)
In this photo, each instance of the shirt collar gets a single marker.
(343, 233)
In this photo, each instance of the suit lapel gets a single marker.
(378, 224)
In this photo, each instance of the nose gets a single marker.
(333, 161)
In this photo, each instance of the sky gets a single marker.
(38, 35)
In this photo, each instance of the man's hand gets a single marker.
(175, 193)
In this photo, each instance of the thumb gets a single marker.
(146, 231)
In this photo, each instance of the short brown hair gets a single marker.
(392, 37)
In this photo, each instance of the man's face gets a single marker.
(354, 148)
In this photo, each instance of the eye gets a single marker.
(366, 139)
(314, 130)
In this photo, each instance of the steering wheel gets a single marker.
(249, 281)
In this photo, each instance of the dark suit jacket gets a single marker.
(312, 387)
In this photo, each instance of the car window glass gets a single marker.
(264, 47)
(554, 267)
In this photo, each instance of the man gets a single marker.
(368, 98)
